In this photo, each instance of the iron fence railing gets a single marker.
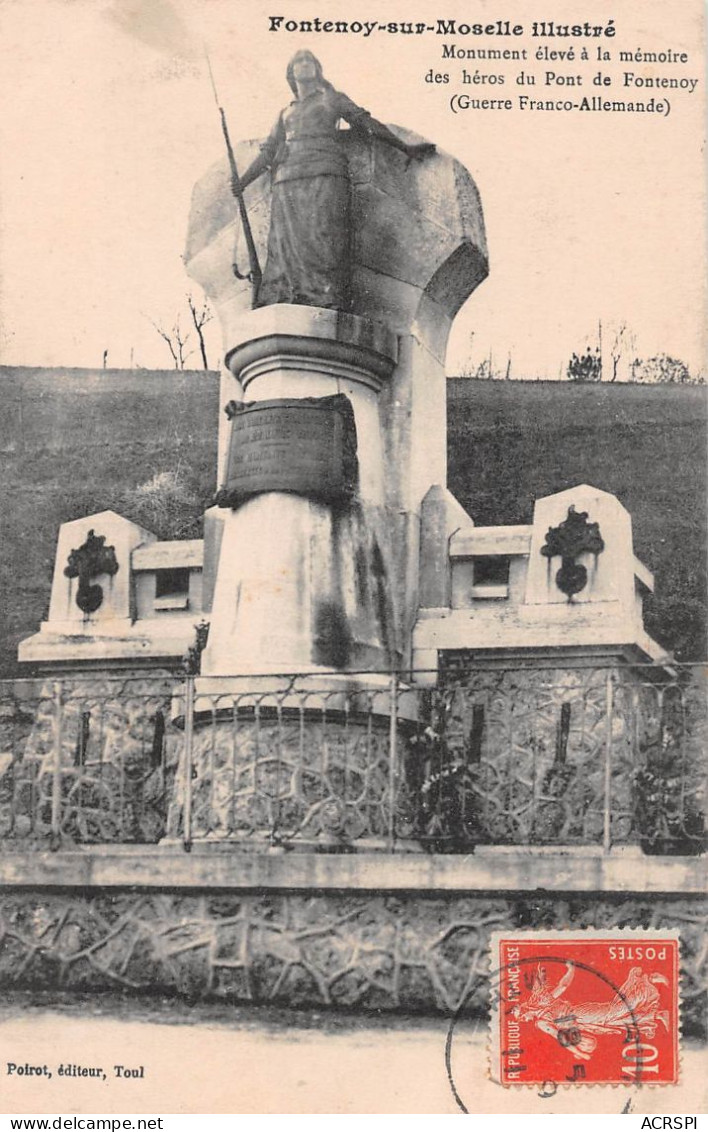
(84, 760)
(579, 755)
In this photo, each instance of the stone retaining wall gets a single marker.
(405, 952)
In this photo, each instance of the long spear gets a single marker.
(255, 274)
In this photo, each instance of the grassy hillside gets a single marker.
(77, 441)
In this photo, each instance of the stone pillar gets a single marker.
(304, 581)
(300, 583)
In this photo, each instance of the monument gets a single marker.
(337, 575)
(334, 421)
(398, 732)
(334, 394)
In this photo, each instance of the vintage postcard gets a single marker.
(352, 557)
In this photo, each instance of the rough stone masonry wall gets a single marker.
(373, 952)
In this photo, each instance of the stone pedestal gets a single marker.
(271, 777)
(304, 582)
(297, 763)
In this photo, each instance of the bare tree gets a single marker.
(623, 346)
(603, 363)
(176, 340)
(200, 317)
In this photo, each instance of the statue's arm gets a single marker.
(265, 158)
(361, 119)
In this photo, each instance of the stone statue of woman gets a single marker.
(309, 241)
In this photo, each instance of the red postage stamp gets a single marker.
(585, 1007)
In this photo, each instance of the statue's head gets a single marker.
(303, 61)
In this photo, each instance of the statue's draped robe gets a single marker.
(635, 1007)
(309, 253)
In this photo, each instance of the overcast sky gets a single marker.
(107, 120)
